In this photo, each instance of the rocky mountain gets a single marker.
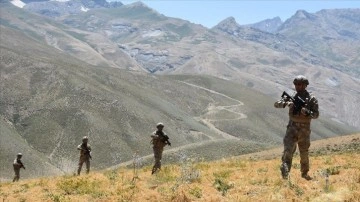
(268, 25)
(113, 73)
(330, 34)
(62, 8)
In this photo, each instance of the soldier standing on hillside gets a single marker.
(298, 129)
(159, 141)
(17, 165)
(85, 155)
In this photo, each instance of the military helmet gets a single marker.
(302, 79)
(85, 138)
(160, 125)
(19, 154)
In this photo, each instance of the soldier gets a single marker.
(159, 141)
(298, 129)
(17, 165)
(85, 155)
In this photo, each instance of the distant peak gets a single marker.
(301, 13)
(304, 15)
(137, 4)
(140, 4)
(228, 22)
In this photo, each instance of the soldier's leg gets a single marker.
(87, 165)
(157, 157)
(160, 157)
(81, 161)
(17, 174)
(304, 144)
(289, 148)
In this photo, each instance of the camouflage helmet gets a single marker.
(302, 79)
(85, 138)
(160, 125)
(19, 154)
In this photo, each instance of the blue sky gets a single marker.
(211, 12)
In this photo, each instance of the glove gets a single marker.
(289, 104)
(305, 111)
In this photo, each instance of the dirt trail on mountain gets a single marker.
(212, 109)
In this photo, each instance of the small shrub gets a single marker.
(333, 170)
(222, 186)
(196, 191)
(188, 171)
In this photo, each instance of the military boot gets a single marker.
(306, 176)
(153, 171)
(284, 171)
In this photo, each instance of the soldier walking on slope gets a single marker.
(303, 107)
(159, 141)
(17, 165)
(85, 155)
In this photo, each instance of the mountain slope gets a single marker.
(52, 95)
(137, 37)
(330, 34)
(244, 178)
(58, 100)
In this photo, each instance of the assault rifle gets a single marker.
(166, 140)
(22, 165)
(87, 151)
(297, 100)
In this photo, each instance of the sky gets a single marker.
(210, 12)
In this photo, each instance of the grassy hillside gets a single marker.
(50, 99)
(336, 178)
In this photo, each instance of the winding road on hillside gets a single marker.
(212, 109)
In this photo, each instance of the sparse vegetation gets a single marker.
(235, 179)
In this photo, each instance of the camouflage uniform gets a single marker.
(159, 141)
(17, 165)
(298, 130)
(85, 155)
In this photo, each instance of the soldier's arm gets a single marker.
(79, 147)
(167, 140)
(314, 108)
(21, 164)
(282, 103)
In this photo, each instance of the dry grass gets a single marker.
(234, 179)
